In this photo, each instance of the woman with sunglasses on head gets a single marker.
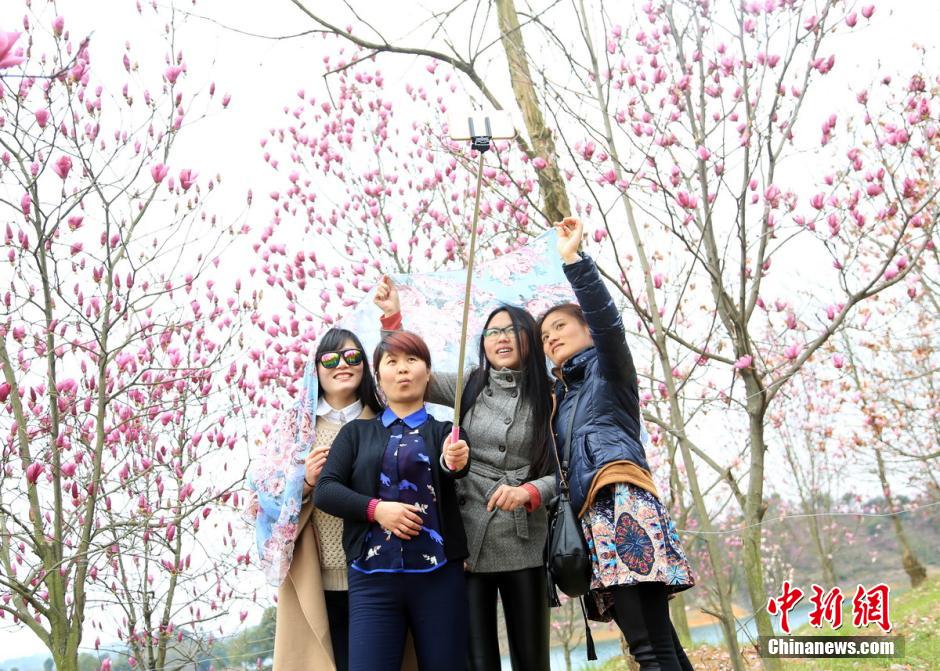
(312, 629)
(391, 479)
(505, 410)
(638, 560)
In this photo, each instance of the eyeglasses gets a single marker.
(496, 333)
(331, 359)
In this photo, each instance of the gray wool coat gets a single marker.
(499, 431)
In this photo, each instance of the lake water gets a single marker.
(705, 634)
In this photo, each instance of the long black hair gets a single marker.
(333, 341)
(535, 389)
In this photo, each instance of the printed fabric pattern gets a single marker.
(531, 277)
(405, 477)
(276, 481)
(632, 539)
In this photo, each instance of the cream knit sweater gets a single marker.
(329, 529)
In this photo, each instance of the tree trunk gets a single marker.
(551, 185)
(680, 619)
(754, 510)
(914, 569)
(825, 557)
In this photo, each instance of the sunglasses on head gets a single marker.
(353, 357)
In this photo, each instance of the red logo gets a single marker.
(869, 606)
(827, 607)
(784, 603)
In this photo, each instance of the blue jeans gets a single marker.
(384, 606)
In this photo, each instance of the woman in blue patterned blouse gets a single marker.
(391, 479)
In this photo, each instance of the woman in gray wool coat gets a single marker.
(506, 413)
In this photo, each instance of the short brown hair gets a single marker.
(401, 342)
(571, 309)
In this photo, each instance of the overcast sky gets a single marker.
(263, 75)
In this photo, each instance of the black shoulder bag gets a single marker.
(567, 560)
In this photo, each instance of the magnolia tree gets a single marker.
(677, 138)
(893, 381)
(120, 397)
(369, 190)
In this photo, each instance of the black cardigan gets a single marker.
(350, 479)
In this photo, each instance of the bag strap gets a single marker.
(563, 467)
(588, 638)
(574, 411)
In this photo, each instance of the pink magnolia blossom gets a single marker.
(187, 178)
(838, 360)
(744, 362)
(62, 166)
(4, 391)
(58, 25)
(42, 117)
(539, 163)
(33, 471)
(7, 59)
(868, 10)
(158, 172)
(173, 72)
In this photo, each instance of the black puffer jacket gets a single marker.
(601, 381)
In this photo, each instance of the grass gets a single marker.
(915, 615)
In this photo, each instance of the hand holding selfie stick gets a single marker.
(481, 143)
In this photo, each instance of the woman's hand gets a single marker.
(570, 233)
(508, 498)
(386, 297)
(455, 454)
(313, 466)
(401, 519)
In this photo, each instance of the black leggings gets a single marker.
(337, 613)
(527, 619)
(642, 613)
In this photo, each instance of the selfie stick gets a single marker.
(480, 143)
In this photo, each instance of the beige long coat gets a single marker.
(302, 634)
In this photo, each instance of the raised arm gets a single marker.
(598, 305)
(333, 494)
(443, 387)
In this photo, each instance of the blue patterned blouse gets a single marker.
(406, 477)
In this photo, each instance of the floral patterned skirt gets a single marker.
(632, 539)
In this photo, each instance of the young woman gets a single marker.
(391, 479)
(506, 411)
(638, 560)
(313, 606)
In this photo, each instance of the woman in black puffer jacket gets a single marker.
(637, 558)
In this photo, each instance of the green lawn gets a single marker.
(915, 615)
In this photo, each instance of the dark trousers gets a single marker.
(525, 607)
(384, 606)
(642, 613)
(337, 613)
